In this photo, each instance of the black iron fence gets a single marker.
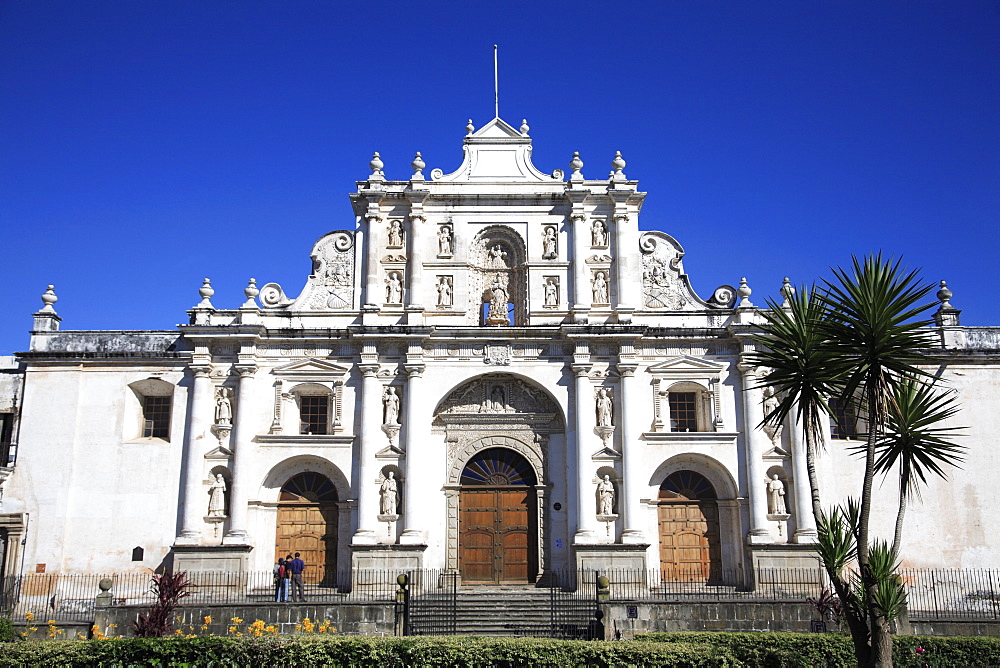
(437, 597)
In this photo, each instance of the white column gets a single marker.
(199, 412)
(416, 454)
(582, 294)
(241, 438)
(754, 437)
(371, 437)
(628, 273)
(415, 264)
(586, 501)
(632, 470)
(805, 523)
(373, 283)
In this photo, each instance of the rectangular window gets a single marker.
(156, 417)
(683, 411)
(843, 421)
(313, 411)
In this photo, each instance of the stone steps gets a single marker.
(502, 613)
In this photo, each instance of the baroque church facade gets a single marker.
(493, 372)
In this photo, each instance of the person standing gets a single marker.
(297, 566)
(280, 581)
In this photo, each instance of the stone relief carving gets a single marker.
(497, 354)
(600, 288)
(394, 288)
(501, 394)
(331, 284)
(445, 290)
(497, 258)
(549, 243)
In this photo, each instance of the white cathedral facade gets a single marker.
(493, 372)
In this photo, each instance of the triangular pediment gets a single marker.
(498, 128)
(687, 365)
(310, 367)
(497, 153)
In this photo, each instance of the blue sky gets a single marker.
(145, 145)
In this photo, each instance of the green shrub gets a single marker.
(7, 632)
(362, 651)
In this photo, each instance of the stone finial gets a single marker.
(376, 166)
(744, 292)
(206, 291)
(418, 165)
(524, 127)
(787, 291)
(617, 165)
(251, 293)
(470, 128)
(48, 299)
(946, 315)
(576, 164)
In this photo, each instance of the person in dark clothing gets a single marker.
(296, 567)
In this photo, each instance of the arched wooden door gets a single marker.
(497, 519)
(307, 524)
(690, 538)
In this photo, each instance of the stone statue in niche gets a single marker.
(605, 496)
(551, 291)
(217, 497)
(497, 313)
(605, 408)
(395, 234)
(388, 495)
(600, 285)
(444, 290)
(599, 234)
(394, 288)
(549, 251)
(496, 402)
(776, 496)
(444, 240)
(390, 402)
(223, 406)
(497, 257)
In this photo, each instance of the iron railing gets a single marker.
(941, 594)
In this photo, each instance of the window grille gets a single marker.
(683, 411)
(313, 414)
(843, 421)
(156, 417)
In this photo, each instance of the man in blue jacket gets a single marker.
(297, 566)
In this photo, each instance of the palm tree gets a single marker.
(874, 324)
(915, 439)
(803, 372)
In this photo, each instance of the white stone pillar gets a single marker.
(628, 272)
(371, 438)
(240, 440)
(754, 437)
(416, 455)
(373, 279)
(199, 417)
(632, 469)
(805, 523)
(582, 295)
(586, 500)
(415, 264)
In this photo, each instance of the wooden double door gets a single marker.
(689, 528)
(308, 515)
(495, 535)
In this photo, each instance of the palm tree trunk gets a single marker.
(880, 639)
(897, 538)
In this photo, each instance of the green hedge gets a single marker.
(782, 650)
(360, 651)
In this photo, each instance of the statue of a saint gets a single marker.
(395, 234)
(498, 301)
(605, 408)
(599, 233)
(605, 496)
(444, 240)
(770, 402)
(498, 258)
(390, 400)
(223, 406)
(388, 495)
(601, 289)
(444, 291)
(776, 496)
(217, 497)
(549, 244)
(394, 288)
(551, 292)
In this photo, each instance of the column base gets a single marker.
(586, 538)
(364, 537)
(210, 558)
(412, 537)
(188, 538)
(612, 557)
(393, 559)
(806, 537)
(760, 537)
(235, 538)
(634, 537)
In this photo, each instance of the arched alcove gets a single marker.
(497, 259)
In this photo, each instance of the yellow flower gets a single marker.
(272, 629)
(29, 617)
(236, 620)
(208, 619)
(232, 629)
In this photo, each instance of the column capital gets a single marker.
(201, 370)
(369, 370)
(372, 217)
(414, 370)
(621, 218)
(578, 217)
(581, 370)
(246, 370)
(627, 369)
(748, 370)
(417, 217)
